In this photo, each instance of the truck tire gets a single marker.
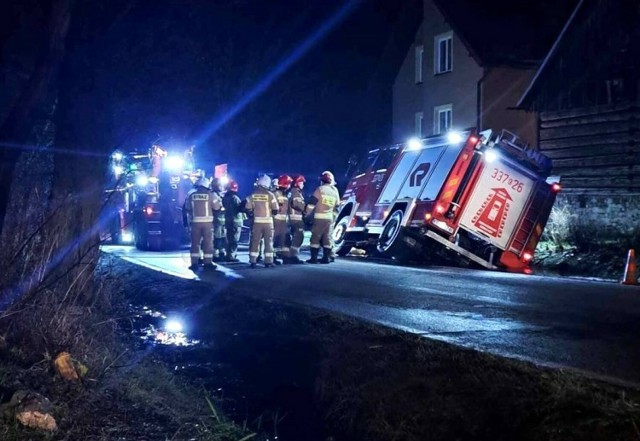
(140, 236)
(391, 242)
(340, 243)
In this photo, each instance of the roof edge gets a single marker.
(550, 55)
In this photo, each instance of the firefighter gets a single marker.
(199, 206)
(324, 204)
(282, 238)
(219, 234)
(261, 206)
(296, 211)
(233, 219)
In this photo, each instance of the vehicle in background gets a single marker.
(146, 197)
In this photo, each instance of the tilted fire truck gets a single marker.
(148, 192)
(473, 198)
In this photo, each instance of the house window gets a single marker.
(419, 63)
(442, 116)
(443, 53)
(419, 124)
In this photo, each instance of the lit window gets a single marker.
(419, 63)
(442, 116)
(419, 124)
(444, 53)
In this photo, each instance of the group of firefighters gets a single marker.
(277, 212)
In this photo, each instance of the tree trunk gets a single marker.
(16, 128)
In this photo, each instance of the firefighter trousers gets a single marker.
(297, 237)
(281, 238)
(261, 231)
(219, 238)
(201, 234)
(233, 237)
(321, 231)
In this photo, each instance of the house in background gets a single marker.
(470, 64)
(586, 95)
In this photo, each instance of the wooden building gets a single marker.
(586, 95)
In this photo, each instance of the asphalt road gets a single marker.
(590, 326)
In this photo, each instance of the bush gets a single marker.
(558, 227)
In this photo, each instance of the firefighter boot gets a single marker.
(326, 255)
(295, 260)
(210, 266)
(314, 255)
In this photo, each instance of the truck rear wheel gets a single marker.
(340, 243)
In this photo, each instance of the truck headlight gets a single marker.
(142, 180)
(490, 156)
(126, 237)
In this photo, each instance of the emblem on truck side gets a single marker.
(492, 214)
(416, 178)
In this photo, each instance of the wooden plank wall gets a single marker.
(594, 149)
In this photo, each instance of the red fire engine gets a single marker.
(467, 197)
(146, 197)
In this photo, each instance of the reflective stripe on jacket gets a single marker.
(262, 203)
(200, 205)
(296, 204)
(324, 202)
(283, 205)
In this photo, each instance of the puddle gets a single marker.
(263, 373)
(156, 328)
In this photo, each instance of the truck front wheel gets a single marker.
(340, 244)
(392, 239)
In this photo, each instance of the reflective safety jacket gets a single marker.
(200, 205)
(218, 216)
(283, 206)
(324, 202)
(233, 210)
(296, 204)
(263, 205)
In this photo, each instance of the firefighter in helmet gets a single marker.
(296, 212)
(324, 204)
(199, 206)
(261, 206)
(233, 217)
(219, 234)
(282, 237)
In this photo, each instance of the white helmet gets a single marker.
(264, 181)
(202, 182)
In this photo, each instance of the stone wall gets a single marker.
(617, 215)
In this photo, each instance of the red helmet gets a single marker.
(327, 177)
(298, 180)
(233, 186)
(284, 181)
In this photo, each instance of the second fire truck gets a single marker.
(147, 194)
(474, 198)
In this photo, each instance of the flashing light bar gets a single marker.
(414, 144)
(454, 137)
(174, 163)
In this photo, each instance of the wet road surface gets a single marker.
(588, 326)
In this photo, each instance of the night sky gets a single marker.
(221, 74)
(184, 70)
(195, 71)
